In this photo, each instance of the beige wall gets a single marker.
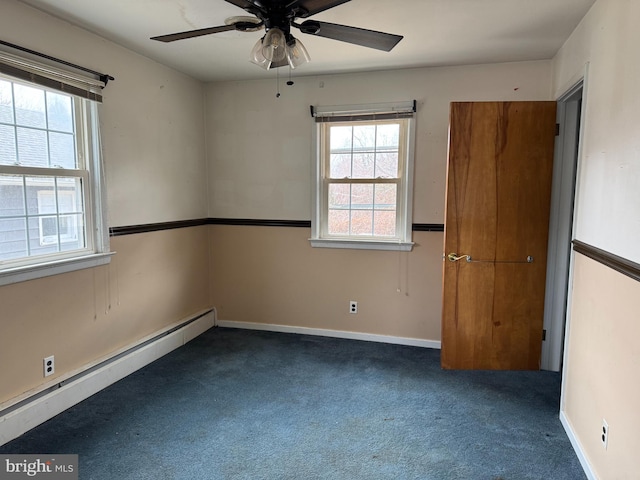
(259, 153)
(151, 120)
(272, 275)
(608, 195)
(603, 361)
(602, 355)
(154, 280)
(259, 146)
(153, 139)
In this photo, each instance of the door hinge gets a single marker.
(544, 335)
(557, 129)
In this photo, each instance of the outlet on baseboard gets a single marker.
(604, 437)
(353, 306)
(49, 366)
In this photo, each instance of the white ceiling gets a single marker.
(436, 33)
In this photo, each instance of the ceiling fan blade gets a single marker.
(311, 7)
(357, 36)
(172, 37)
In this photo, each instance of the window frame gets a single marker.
(89, 172)
(320, 181)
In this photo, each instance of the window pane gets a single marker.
(8, 145)
(12, 195)
(386, 197)
(6, 102)
(340, 166)
(384, 223)
(43, 235)
(363, 165)
(40, 195)
(29, 104)
(62, 150)
(362, 196)
(72, 232)
(13, 238)
(32, 147)
(362, 222)
(69, 195)
(338, 222)
(340, 138)
(339, 196)
(386, 165)
(364, 137)
(49, 227)
(388, 135)
(59, 112)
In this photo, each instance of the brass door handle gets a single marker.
(454, 257)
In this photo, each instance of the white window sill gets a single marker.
(361, 244)
(56, 267)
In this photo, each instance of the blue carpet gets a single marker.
(237, 404)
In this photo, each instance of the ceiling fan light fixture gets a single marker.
(274, 45)
(296, 53)
(256, 56)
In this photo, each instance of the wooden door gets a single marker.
(497, 217)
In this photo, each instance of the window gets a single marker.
(364, 177)
(60, 228)
(50, 202)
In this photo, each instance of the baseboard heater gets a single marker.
(44, 404)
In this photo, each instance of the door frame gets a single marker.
(568, 147)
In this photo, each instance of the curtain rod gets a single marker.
(104, 78)
(414, 109)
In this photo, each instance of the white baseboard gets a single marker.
(369, 337)
(577, 446)
(81, 386)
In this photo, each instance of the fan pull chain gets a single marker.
(290, 82)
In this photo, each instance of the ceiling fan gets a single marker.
(278, 47)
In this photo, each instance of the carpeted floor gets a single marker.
(237, 404)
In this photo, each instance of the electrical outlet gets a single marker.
(353, 307)
(605, 433)
(49, 366)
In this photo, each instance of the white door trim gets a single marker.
(570, 117)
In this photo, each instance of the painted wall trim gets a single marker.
(30, 412)
(577, 446)
(428, 227)
(246, 222)
(155, 227)
(320, 332)
(622, 265)
(416, 227)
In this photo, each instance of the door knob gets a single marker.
(454, 257)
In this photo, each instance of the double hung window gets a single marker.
(363, 181)
(50, 200)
